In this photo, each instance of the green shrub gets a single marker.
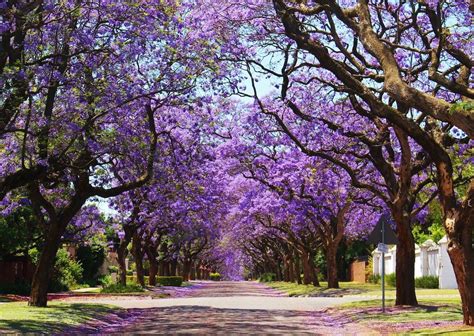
(169, 280)
(131, 279)
(67, 272)
(374, 278)
(391, 279)
(18, 288)
(267, 277)
(113, 269)
(215, 276)
(118, 288)
(105, 280)
(428, 281)
(91, 258)
(321, 277)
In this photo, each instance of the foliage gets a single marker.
(133, 279)
(369, 269)
(322, 277)
(119, 288)
(175, 281)
(267, 277)
(391, 279)
(18, 232)
(105, 280)
(67, 272)
(91, 258)
(113, 269)
(428, 281)
(215, 276)
(432, 228)
(374, 278)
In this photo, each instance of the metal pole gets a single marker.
(383, 268)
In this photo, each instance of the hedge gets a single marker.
(118, 288)
(132, 279)
(267, 277)
(215, 276)
(428, 281)
(169, 280)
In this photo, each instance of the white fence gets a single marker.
(430, 259)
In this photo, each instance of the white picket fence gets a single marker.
(430, 259)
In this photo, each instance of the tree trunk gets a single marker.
(286, 268)
(138, 255)
(291, 269)
(296, 266)
(41, 277)
(331, 262)
(122, 254)
(186, 270)
(179, 268)
(460, 250)
(166, 268)
(314, 271)
(153, 271)
(307, 271)
(192, 273)
(173, 267)
(152, 255)
(405, 262)
(198, 271)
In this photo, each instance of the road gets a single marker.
(230, 308)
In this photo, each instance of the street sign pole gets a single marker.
(383, 268)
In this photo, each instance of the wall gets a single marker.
(357, 271)
(16, 270)
(430, 259)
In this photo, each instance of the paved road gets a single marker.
(229, 308)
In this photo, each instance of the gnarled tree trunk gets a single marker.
(41, 277)
(405, 262)
(459, 225)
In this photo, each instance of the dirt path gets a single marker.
(230, 308)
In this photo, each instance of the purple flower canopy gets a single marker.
(211, 129)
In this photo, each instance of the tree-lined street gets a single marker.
(154, 151)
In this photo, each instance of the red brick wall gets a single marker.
(357, 271)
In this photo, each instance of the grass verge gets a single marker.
(432, 317)
(346, 288)
(355, 288)
(18, 317)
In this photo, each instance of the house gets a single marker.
(430, 259)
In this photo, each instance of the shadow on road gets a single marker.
(207, 320)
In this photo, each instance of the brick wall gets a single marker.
(357, 271)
